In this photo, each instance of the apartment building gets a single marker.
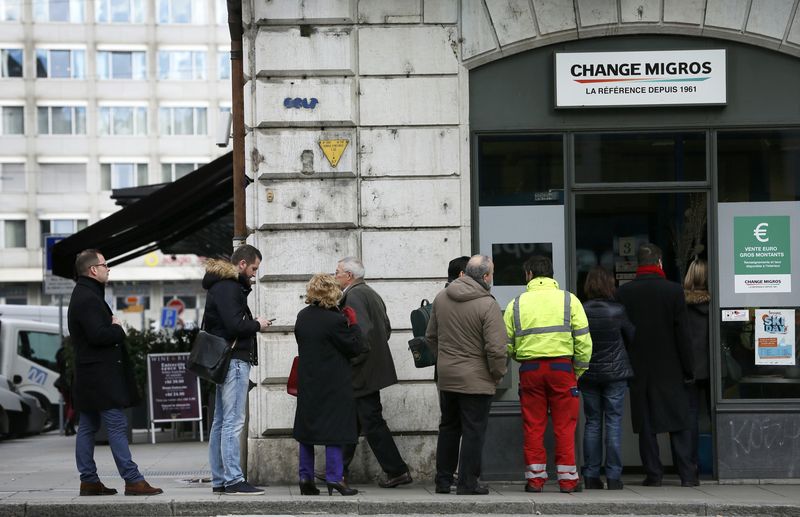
(97, 95)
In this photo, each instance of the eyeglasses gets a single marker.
(101, 265)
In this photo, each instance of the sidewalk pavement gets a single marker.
(38, 477)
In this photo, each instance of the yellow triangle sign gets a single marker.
(333, 150)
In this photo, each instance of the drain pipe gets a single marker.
(237, 114)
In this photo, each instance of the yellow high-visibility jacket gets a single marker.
(545, 321)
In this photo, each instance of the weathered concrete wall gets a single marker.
(391, 78)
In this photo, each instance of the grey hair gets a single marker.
(353, 265)
(478, 266)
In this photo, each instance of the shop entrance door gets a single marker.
(608, 229)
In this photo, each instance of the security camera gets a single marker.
(224, 130)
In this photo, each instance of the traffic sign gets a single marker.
(177, 304)
(54, 284)
(169, 317)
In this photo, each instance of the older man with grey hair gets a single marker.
(372, 371)
(467, 335)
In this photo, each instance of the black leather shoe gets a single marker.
(476, 490)
(218, 489)
(614, 484)
(402, 479)
(650, 481)
(690, 483)
(341, 487)
(593, 483)
(442, 489)
(307, 487)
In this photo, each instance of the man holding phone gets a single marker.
(227, 315)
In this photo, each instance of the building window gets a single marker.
(122, 64)
(222, 12)
(13, 233)
(182, 11)
(176, 170)
(61, 63)
(61, 120)
(62, 177)
(122, 175)
(63, 226)
(224, 64)
(13, 118)
(175, 120)
(11, 62)
(10, 10)
(119, 11)
(122, 120)
(182, 65)
(14, 294)
(58, 11)
(12, 177)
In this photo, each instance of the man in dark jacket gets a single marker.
(104, 382)
(467, 335)
(227, 315)
(661, 357)
(372, 371)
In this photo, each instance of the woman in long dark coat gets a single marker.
(695, 287)
(326, 410)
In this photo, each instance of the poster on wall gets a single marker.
(762, 254)
(758, 262)
(775, 337)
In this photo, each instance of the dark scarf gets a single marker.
(649, 270)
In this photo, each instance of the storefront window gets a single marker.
(640, 157)
(758, 165)
(521, 170)
(758, 356)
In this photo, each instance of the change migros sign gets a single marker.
(657, 78)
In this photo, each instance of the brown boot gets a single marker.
(141, 488)
(97, 488)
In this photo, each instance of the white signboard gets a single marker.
(657, 78)
(775, 336)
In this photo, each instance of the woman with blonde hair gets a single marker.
(326, 410)
(695, 288)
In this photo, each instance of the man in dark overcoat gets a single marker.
(662, 361)
(104, 384)
(373, 370)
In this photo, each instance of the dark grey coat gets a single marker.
(697, 303)
(661, 354)
(326, 409)
(103, 372)
(374, 369)
(612, 332)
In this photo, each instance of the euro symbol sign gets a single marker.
(761, 232)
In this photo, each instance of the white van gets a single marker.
(28, 357)
(43, 313)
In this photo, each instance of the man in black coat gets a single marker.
(228, 316)
(662, 361)
(372, 371)
(104, 382)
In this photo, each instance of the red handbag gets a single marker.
(291, 384)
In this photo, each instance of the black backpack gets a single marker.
(419, 346)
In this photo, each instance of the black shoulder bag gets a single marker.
(210, 355)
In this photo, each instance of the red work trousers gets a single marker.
(549, 383)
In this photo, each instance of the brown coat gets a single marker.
(467, 335)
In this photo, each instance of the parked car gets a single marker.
(28, 357)
(22, 414)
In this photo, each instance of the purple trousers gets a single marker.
(333, 463)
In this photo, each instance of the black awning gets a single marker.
(170, 219)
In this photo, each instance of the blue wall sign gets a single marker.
(297, 102)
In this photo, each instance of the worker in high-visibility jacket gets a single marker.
(549, 335)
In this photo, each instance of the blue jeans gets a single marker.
(603, 401)
(229, 411)
(117, 426)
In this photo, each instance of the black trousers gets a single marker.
(372, 425)
(464, 420)
(681, 444)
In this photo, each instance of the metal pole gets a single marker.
(61, 333)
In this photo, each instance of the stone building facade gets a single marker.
(392, 79)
